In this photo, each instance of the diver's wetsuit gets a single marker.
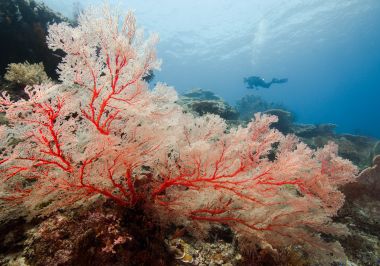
(255, 82)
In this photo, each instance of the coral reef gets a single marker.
(26, 74)
(309, 131)
(367, 185)
(201, 94)
(97, 233)
(101, 234)
(198, 252)
(285, 120)
(103, 135)
(201, 102)
(358, 149)
(361, 213)
(251, 104)
(23, 30)
(92, 136)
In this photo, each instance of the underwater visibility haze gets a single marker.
(329, 51)
(166, 132)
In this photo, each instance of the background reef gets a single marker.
(23, 29)
(59, 239)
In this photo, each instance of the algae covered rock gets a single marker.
(368, 183)
(310, 130)
(358, 149)
(101, 233)
(200, 94)
(361, 213)
(285, 120)
(250, 104)
(201, 102)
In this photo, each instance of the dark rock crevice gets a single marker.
(23, 30)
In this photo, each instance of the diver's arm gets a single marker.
(266, 84)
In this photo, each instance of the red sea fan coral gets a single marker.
(103, 132)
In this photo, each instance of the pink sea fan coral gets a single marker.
(102, 132)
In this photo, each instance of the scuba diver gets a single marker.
(254, 82)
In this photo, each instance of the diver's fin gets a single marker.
(278, 81)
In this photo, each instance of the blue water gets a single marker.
(328, 49)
